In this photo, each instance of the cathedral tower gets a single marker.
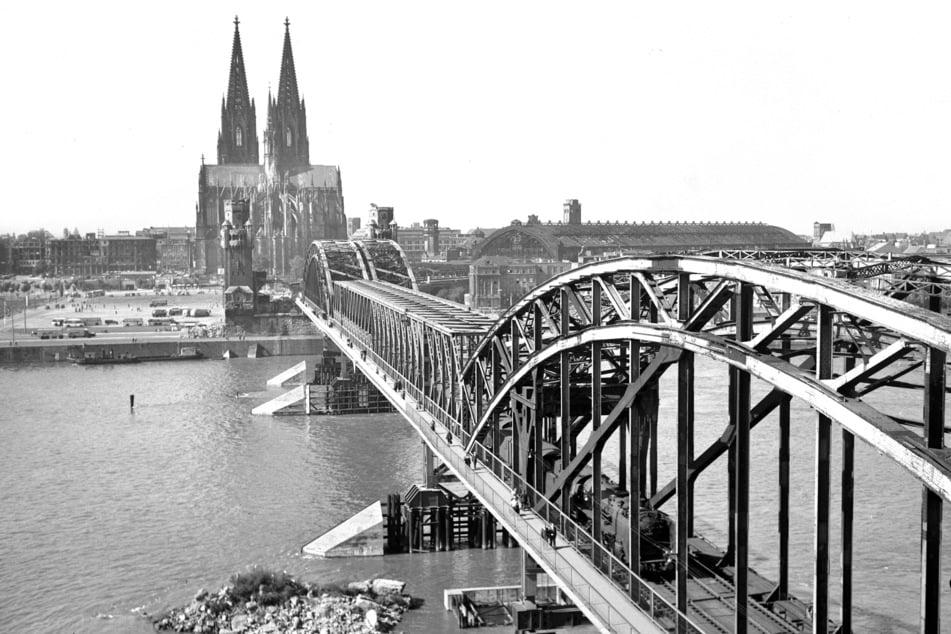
(238, 136)
(286, 146)
(281, 206)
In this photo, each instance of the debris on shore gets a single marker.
(261, 601)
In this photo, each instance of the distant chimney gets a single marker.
(572, 212)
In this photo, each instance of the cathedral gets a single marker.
(290, 201)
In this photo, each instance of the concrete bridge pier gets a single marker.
(429, 469)
(530, 572)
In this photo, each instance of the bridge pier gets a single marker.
(530, 572)
(429, 469)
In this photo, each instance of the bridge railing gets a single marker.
(357, 336)
(580, 539)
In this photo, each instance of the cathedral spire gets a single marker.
(288, 147)
(237, 80)
(238, 137)
(287, 86)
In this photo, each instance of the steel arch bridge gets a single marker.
(899, 276)
(535, 397)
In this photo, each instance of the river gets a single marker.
(108, 510)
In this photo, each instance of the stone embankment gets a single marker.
(282, 604)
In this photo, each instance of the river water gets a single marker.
(105, 510)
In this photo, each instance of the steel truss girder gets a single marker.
(866, 306)
(897, 277)
(425, 353)
(386, 262)
(880, 431)
(328, 261)
(565, 306)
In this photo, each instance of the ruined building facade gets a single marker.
(290, 202)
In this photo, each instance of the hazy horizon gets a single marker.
(481, 114)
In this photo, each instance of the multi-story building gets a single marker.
(418, 241)
(428, 240)
(175, 247)
(129, 253)
(29, 255)
(497, 282)
(76, 256)
(6, 254)
(101, 255)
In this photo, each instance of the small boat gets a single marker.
(106, 359)
(187, 353)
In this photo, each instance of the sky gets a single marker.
(480, 113)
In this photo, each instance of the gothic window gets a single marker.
(237, 136)
(290, 137)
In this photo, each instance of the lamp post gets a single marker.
(13, 324)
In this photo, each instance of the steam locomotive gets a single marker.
(656, 528)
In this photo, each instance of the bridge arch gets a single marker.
(387, 262)
(865, 422)
(659, 273)
(330, 261)
(681, 296)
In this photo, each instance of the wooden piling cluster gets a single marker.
(337, 389)
(434, 521)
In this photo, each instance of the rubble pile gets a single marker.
(260, 602)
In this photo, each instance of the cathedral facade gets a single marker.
(290, 201)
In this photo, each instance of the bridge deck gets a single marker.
(607, 605)
(604, 594)
(440, 314)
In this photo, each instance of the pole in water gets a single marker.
(131, 401)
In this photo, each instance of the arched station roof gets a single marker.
(566, 241)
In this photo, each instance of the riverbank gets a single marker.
(61, 350)
(262, 601)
